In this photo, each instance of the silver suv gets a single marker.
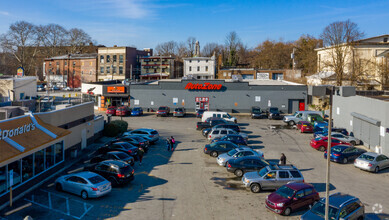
(272, 177)
(220, 132)
(237, 153)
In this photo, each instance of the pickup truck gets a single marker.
(209, 123)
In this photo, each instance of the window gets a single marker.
(299, 194)
(206, 61)
(248, 153)
(308, 191)
(114, 69)
(114, 58)
(385, 39)
(108, 69)
(190, 69)
(229, 74)
(101, 59)
(283, 174)
(66, 63)
(27, 167)
(74, 63)
(198, 69)
(271, 175)
(74, 72)
(295, 174)
(190, 61)
(101, 70)
(120, 70)
(223, 132)
(82, 72)
(58, 148)
(222, 146)
(224, 74)
(39, 163)
(57, 63)
(82, 63)
(120, 58)
(206, 68)
(198, 61)
(3, 179)
(49, 156)
(108, 58)
(90, 72)
(15, 167)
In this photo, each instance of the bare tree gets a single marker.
(53, 37)
(339, 37)
(77, 39)
(273, 55)
(22, 42)
(191, 44)
(182, 50)
(211, 48)
(167, 48)
(232, 43)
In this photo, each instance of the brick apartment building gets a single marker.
(71, 70)
(120, 63)
(161, 67)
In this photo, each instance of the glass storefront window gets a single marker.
(58, 148)
(27, 167)
(15, 166)
(49, 156)
(3, 179)
(39, 161)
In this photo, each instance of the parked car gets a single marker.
(116, 171)
(210, 123)
(137, 141)
(114, 155)
(40, 88)
(220, 132)
(372, 162)
(199, 113)
(85, 184)
(234, 138)
(223, 115)
(144, 132)
(315, 118)
(120, 146)
(274, 113)
(344, 153)
(292, 197)
(68, 89)
(321, 143)
(299, 116)
(243, 165)
(237, 153)
(137, 111)
(123, 111)
(272, 177)
(341, 206)
(304, 126)
(256, 112)
(163, 111)
(349, 139)
(179, 112)
(215, 149)
(320, 126)
(228, 125)
(111, 110)
(325, 130)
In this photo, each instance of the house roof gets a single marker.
(370, 38)
(74, 56)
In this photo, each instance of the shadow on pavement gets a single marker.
(321, 187)
(378, 216)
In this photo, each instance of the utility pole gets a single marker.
(112, 70)
(131, 72)
(160, 57)
(331, 90)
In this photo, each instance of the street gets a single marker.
(188, 184)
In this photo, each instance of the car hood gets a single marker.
(251, 175)
(244, 135)
(311, 216)
(225, 157)
(275, 198)
(289, 116)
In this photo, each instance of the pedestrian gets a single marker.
(140, 155)
(173, 142)
(283, 159)
(168, 143)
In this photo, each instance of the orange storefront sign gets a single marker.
(116, 89)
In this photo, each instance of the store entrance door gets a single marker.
(202, 103)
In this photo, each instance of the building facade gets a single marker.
(17, 88)
(365, 62)
(259, 74)
(159, 67)
(200, 67)
(71, 70)
(120, 63)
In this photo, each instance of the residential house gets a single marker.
(200, 67)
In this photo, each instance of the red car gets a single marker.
(111, 110)
(163, 111)
(292, 197)
(123, 111)
(304, 126)
(321, 143)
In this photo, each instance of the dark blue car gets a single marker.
(137, 111)
(323, 131)
(234, 138)
(344, 153)
(199, 113)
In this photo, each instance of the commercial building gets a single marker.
(71, 70)
(222, 95)
(120, 63)
(17, 88)
(200, 67)
(160, 67)
(260, 74)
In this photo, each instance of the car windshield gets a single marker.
(154, 132)
(285, 192)
(231, 152)
(337, 149)
(318, 138)
(295, 114)
(273, 110)
(263, 172)
(122, 156)
(96, 179)
(110, 108)
(319, 209)
(136, 109)
(162, 108)
(228, 116)
(125, 170)
(366, 157)
(257, 111)
(126, 145)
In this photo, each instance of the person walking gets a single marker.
(168, 143)
(140, 155)
(173, 142)
(283, 159)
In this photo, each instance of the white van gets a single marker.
(300, 116)
(223, 115)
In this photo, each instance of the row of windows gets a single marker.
(156, 71)
(198, 61)
(108, 58)
(30, 166)
(107, 70)
(198, 69)
(82, 72)
(66, 63)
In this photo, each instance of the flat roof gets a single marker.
(250, 81)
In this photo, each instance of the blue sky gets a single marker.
(145, 23)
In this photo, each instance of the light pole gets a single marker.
(330, 89)
(112, 70)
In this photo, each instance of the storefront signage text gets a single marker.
(205, 86)
(17, 131)
(115, 89)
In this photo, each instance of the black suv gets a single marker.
(256, 112)
(274, 113)
(114, 155)
(137, 141)
(120, 146)
(117, 172)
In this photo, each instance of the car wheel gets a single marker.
(214, 154)
(255, 188)
(58, 187)
(322, 148)
(345, 160)
(287, 211)
(291, 123)
(238, 173)
(377, 169)
(353, 143)
(84, 194)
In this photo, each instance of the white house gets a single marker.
(200, 67)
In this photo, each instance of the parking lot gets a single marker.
(188, 184)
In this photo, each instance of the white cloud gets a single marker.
(5, 13)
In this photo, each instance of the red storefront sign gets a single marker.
(202, 99)
(205, 86)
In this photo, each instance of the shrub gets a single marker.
(111, 130)
(122, 125)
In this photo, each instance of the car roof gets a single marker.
(373, 154)
(223, 129)
(84, 174)
(114, 162)
(305, 122)
(115, 152)
(244, 149)
(299, 186)
(144, 129)
(224, 142)
(282, 167)
(340, 199)
(249, 158)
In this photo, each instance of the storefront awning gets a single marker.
(367, 119)
(23, 134)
